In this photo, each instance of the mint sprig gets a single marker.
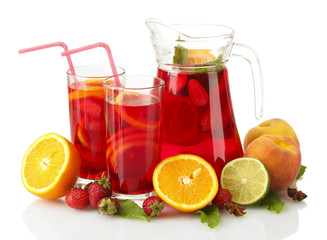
(210, 215)
(180, 55)
(129, 209)
(272, 202)
(301, 172)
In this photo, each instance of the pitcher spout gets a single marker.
(211, 39)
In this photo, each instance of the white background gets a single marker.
(290, 39)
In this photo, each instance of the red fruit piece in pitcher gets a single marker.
(197, 93)
(181, 120)
(177, 83)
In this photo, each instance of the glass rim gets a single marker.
(119, 69)
(111, 78)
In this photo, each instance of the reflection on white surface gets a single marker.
(48, 220)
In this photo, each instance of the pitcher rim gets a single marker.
(230, 33)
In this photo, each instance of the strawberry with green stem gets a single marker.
(152, 206)
(97, 190)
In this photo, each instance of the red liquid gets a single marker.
(133, 144)
(199, 118)
(87, 122)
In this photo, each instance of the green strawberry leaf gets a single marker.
(129, 209)
(210, 214)
(301, 172)
(272, 202)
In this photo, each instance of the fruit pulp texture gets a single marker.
(133, 145)
(87, 124)
(198, 117)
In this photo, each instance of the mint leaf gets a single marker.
(210, 214)
(272, 202)
(129, 209)
(180, 55)
(301, 172)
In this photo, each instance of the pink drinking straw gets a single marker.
(95, 45)
(55, 44)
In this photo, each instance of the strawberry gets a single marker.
(98, 190)
(77, 198)
(223, 196)
(177, 83)
(108, 206)
(152, 206)
(198, 95)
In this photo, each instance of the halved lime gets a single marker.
(247, 179)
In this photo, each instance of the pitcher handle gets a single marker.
(247, 53)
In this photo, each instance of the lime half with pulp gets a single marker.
(247, 179)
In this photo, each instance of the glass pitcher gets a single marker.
(198, 111)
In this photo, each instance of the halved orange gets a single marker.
(50, 166)
(186, 182)
(199, 56)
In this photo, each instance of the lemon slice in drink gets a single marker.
(128, 97)
(247, 179)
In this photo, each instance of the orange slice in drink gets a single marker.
(97, 82)
(87, 92)
(118, 140)
(50, 166)
(128, 104)
(128, 97)
(134, 158)
(186, 182)
(199, 56)
(93, 87)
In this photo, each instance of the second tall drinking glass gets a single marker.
(133, 116)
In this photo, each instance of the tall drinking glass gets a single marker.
(87, 119)
(133, 117)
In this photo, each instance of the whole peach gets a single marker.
(280, 155)
(274, 126)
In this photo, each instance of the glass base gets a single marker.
(137, 197)
(82, 182)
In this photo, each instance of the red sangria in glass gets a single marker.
(134, 118)
(87, 118)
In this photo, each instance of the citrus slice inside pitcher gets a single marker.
(199, 56)
(50, 166)
(186, 182)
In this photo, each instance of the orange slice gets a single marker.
(186, 182)
(50, 166)
(95, 82)
(87, 92)
(130, 100)
(199, 56)
(127, 97)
